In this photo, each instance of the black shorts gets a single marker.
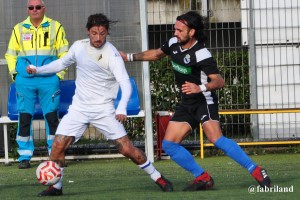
(194, 114)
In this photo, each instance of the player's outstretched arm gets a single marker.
(148, 55)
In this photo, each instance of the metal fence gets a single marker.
(256, 44)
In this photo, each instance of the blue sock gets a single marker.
(235, 152)
(182, 157)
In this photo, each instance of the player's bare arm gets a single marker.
(216, 82)
(148, 55)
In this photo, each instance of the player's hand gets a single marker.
(121, 118)
(190, 88)
(30, 69)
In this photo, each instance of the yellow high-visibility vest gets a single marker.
(48, 39)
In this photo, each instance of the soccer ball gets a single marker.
(48, 173)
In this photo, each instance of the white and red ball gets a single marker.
(48, 173)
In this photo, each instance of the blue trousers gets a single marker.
(28, 89)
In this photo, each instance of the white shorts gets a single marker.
(74, 123)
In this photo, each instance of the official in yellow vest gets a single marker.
(37, 40)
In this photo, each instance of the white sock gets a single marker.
(58, 185)
(150, 169)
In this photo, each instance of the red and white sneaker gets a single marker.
(203, 182)
(261, 177)
(164, 184)
(51, 191)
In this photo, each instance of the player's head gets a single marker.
(36, 9)
(98, 20)
(194, 21)
(97, 28)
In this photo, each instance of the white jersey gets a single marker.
(99, 73)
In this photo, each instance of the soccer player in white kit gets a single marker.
(100, 71)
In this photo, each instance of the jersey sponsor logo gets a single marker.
(175, 52)
(181, 69)
(26, 36)
(187, 59)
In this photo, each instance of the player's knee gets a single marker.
(124, 146)
(170, 147)
(135, 154)
(126, 150)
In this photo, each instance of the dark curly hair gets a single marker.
(99, 20)
(195, 21)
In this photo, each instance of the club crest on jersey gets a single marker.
(187, 59)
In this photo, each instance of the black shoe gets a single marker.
(164, 184)
(203, 182)
(51, 191)
(261, 177)
(24, 164)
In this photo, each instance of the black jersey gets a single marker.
(192, 65)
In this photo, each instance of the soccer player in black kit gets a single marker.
(198, 77)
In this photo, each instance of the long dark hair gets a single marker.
(195, 21)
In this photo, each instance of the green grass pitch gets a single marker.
(121, 179)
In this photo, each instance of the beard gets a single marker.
(183, 42)
(98, 44)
